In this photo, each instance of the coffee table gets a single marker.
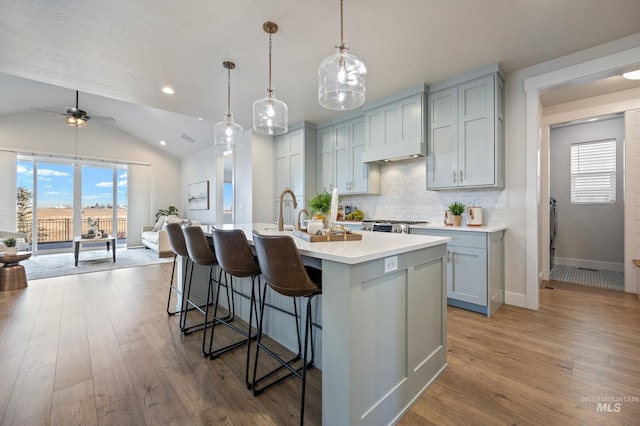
(78, 241)
(12, 275)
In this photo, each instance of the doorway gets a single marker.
(586, 182)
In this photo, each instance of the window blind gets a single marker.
(593, 172)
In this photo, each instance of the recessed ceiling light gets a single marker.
(168, 90)
(163, 143)
(200, 118)
(632, 75)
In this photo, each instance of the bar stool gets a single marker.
(284, 272)
(201, 253)
(179, 248)
(236, 260)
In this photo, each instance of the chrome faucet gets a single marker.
(295, 206)
(299, 214)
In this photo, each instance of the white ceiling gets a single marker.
(120, 53)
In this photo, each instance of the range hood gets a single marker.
(396, 127)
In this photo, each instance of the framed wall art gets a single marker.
(198, 195)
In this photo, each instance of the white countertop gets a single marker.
(374, 245)
(464, 228)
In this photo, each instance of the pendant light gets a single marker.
(227, 135)
(270, 115)
(341, 78)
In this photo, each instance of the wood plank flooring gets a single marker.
(99, 348)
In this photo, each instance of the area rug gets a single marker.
(592, 277)
(53, 265)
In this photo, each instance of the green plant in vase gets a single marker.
(457, 208)
(11, 245)
(92, 224)
(320, 204)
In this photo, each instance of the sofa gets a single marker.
(155, 237)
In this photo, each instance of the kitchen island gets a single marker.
(383, 319)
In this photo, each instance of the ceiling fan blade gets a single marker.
(48, 110)
(99, 118)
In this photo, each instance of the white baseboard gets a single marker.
(589, 264)
(515, 299)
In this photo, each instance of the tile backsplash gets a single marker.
(403, 196)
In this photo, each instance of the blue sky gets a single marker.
(55, 184)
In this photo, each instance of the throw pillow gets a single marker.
(159, 223)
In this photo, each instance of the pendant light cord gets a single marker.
(270, 89)
(228, 92)
(341, 28)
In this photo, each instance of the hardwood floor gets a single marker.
(99, 349)
(540, 367)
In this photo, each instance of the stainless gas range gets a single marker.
(397, 226)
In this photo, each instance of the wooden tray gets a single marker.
(351, 236)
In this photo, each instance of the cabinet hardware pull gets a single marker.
(461, 175)
(454, 176)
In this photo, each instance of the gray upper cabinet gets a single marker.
(395, 127)
(295, 168)
(466, 131)
(340, 148)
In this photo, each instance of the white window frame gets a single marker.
(593, 172)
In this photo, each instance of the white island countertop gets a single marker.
(374, 245)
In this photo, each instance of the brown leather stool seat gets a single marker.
(284, 272)
(236, 260)
(201, 253)
(179, 248)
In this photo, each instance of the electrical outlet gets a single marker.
(390, 264)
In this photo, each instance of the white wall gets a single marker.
(254, 175)
(202, 166)
(589, 235)
(43, 133)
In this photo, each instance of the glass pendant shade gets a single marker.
(227, 135)
(341, 81)
(270, 115)
(341, 77)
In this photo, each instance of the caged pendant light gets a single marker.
(341, 78)
(227, 135)
(270, 115)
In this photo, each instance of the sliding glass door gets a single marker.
(63, 199)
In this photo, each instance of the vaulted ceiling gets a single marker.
(120, 53)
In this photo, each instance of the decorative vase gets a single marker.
(12, 251)
(314, 226)
(456, 219)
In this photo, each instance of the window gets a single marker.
(593, 172)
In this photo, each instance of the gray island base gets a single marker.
(382, 313)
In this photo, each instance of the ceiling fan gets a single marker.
(77, 117)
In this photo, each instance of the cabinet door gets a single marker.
(282, 163)
(442, 155)
(476, 132)
(359, 171)
(326, 177)
(342, 161)
(467, 274)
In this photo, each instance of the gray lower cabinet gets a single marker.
(475, 268)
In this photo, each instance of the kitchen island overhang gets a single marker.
(383, 315)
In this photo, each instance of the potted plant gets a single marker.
(320, 205)
(11, 245)
(456, 208)
(92, 224)
(171, 210)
